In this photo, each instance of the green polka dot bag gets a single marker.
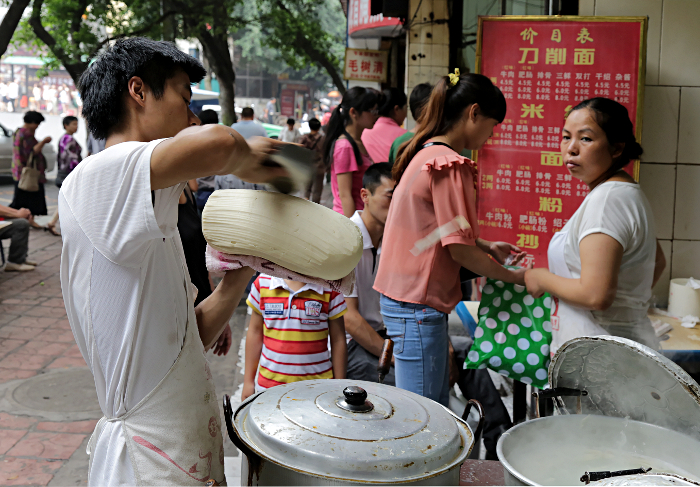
(513, 335)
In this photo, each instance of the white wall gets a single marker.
(670, 170)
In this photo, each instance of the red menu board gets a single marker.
(544, 66)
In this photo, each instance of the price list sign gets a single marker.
(545, 66)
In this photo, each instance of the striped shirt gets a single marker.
(295, 330)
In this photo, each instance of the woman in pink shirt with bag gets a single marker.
(432, 231)
(343, 149)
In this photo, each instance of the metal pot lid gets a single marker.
(626, 379)
(647, 479)
(331, 428)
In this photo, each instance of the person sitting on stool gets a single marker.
(364, 325)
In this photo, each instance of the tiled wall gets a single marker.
(670, 171)
(428, 42)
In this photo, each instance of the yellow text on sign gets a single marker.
(552, 205)
(551, 159)
(528, 241)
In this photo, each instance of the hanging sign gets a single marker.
(366, 65)
(545, 66)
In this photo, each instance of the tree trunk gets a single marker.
(215, 49)
(10, 22)
(75, 68)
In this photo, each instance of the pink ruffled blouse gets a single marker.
(434, 205)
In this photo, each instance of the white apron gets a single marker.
(568, 322)
(173, 435)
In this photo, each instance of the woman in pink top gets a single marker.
(392, 114)
(432, 231)
(343, 149)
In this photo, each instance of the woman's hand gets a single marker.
(534, 281)
(502, 250)
(46, 140)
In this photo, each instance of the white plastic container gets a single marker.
(683, 300)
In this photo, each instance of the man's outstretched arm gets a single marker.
(211, 150)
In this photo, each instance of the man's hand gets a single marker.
(24, 213)
(502, 250)
(248, 390)
(252, 169)
(46, 140)
(223, 343)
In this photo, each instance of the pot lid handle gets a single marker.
(355, 400)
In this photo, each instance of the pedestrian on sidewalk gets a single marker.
(419, 97)
(24, 148)
(392, 114)
(343, 150)
(288, 334)
(93, 145)
(314, 142)
(69, 156)
(290, 133)
(125, 285)
(205, 185)
(18, 232)
(271, 110)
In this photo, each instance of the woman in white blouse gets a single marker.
(605, 261)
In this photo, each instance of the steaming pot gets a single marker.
(333, 432)
(635, 409)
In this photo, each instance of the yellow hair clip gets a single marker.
(454, 77)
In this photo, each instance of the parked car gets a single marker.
(6, 153)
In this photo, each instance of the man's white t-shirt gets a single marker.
(621, 211)
(365, 272)
(123, 280)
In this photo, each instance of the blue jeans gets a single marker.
(421, 348)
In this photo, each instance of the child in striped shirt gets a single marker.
(287, 338)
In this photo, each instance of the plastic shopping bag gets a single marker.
(514, 333)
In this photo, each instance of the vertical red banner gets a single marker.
(545, 66)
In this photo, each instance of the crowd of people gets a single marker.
(49, 98)
(130, 215)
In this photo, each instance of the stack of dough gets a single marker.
(299, 235)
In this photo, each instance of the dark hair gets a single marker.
(419, 97)
(615, 121)
(104, 82)
(208, 117)
(374, 174)
(446, 107)
(68, 120)
(359, 98)
(314, 124)
(391, 98)
(290, 121)
(247, 112)
(33, 117)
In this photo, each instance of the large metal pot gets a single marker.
(637, 409)
(330, 432)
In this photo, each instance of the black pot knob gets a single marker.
(355, 395)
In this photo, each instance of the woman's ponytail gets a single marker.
(448, 100)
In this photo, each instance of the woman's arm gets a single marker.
(345, 193)
(339, 347)
(601, 257)
(38, 147)
(476, 260)
(253, 349)
(659, 264)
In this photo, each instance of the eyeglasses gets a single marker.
(374, 112)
